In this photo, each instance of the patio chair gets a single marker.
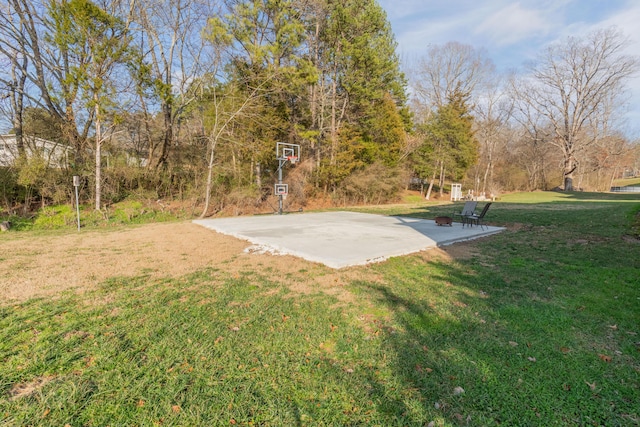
(476, 219)
(467, 210)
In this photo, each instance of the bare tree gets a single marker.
(444, 73)
(571, 87)
(449, 68)
(172, 60)
(492, 116)
(29, 33)
(16, 60)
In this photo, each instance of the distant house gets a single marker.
(55, 154)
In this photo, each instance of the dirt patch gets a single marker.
(28, 388)
(38, 266)
(460, 251)
(35, 266)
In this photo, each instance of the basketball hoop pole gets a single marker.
(281, 163)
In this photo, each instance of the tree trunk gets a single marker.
(167, 137)
(17, 101)
(207, 195)
(433, 179)
(98, 158)
(569, 168)
(441, 181)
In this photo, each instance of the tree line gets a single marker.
(187, 99)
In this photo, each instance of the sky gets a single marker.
(513, 32)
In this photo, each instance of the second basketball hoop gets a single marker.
(284, 153)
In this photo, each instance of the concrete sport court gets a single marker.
(343, 239)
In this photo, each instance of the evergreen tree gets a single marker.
(450, 147)
(364, 87)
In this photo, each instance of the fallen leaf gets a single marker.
(532, 359)
(566, 387)
(333, 327)
(232, 421)
(285, 318)
(605, 358)
(140, 403)
(513, 343)
(592, 386)
(235, 329)
(217, 340)
(45, 413)
(614, 327)
(175, 409)
(565, 350)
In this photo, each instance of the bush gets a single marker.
(54, 217)
(376, 184)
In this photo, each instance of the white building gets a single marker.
(55, 154)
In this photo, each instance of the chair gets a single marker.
(477, 219)
(467, 210)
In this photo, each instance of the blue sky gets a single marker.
(511, 32)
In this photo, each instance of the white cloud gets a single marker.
(514, 24)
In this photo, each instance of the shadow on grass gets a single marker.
(523, 353)
(540, 328)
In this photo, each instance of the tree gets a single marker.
(29, 33)
(449, 68)
(172, 57)
(360, 77)
(450, 146)
(492, 116)
(571, 87)
(13, 48)
(87, 32)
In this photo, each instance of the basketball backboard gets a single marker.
(290, 152)
(281, 189)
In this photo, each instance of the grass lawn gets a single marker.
(536, 326)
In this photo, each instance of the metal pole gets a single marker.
(281, 165)
(76, 184)
(78, 208)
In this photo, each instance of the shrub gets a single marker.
(375, 184)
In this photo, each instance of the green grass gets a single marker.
(541, 327)
(64, 217)
(627, 182)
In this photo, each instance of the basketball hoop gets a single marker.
(284, 153)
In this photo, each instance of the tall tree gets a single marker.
(261, 42)
(88, 32)
(172, 57)
(571, 87)
(450, 146)
(492, 129)
(11, 27)
(449, 68)
(361, 78)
